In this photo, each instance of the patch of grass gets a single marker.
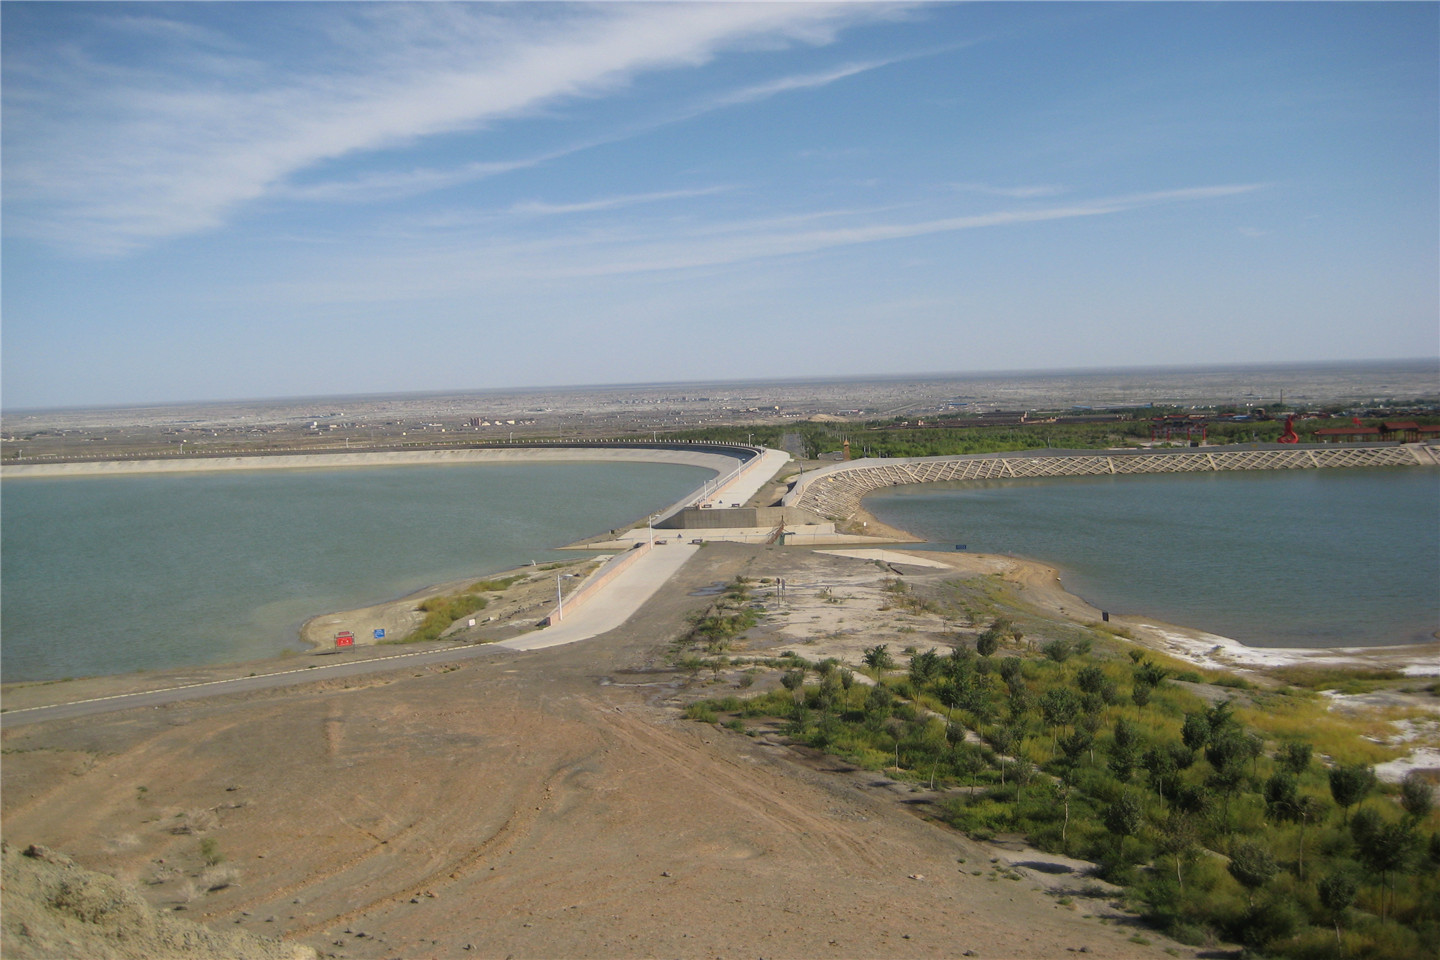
(498, 585)
(440, 612)
(703, 712)
(1335, 678)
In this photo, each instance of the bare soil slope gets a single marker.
(541, 805)
(55, 908)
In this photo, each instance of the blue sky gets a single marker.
(215, 201)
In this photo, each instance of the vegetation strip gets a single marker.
(1227, 811)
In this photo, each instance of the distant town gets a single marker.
(879, 416)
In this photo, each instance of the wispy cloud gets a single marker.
(434, 264)
(811, 81)
(113, 159)
(398, 184)
(743, 243)
(1029, 192)
(540, 208)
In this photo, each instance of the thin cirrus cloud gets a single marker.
(465, 264)
(117, 158)
(540, 208)
(1029, 192)
(744, 243)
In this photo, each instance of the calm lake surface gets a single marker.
(1270, 558)
(105, 575)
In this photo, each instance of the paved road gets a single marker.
(309, 673)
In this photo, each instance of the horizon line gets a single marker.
(921, 376)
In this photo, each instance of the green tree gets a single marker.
(1090, 678)
(1252, 865)
(1221, 716)
(879, 701)
(1161, 764)
(987, 643)
(1150, 674)
(1196, 731)
(1349, 785)
(1294, 756)
(1140, 694)
(924, 667)
(878, 657)
(1124, 750)
(794, 681)
(1280, 794)
(1385, 851)
(1059, 707)
(1179, 838)
(1074, 745)
(1123, 819)
(1417, 796)
(969, 761)
(1337, 892)
(1010, 670)
(951, 695)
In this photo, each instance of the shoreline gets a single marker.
(1036, 582)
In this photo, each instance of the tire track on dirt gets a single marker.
(734, 784)
(515, 828)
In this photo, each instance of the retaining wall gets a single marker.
(594, 583)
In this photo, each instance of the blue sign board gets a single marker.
(379, 634)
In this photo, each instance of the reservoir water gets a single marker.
(111, 574)
(1269, 558)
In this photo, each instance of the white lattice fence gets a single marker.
(838, 494)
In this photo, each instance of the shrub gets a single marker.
(440, 612)
(210, 852)
(702, 712)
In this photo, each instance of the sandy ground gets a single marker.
(542, 804)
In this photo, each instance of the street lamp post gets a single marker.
(559, 597)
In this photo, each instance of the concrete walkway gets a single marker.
(729, 490)
(613, 605)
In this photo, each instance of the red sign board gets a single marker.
(345, 639)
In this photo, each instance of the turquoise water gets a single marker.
(104, 575)
(1270, 558)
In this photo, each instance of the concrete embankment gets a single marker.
(720, 462)
(836, 491)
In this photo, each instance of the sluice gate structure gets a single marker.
(835, 491)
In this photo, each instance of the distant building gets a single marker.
(1347, 434)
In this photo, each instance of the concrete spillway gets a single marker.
(836, 491)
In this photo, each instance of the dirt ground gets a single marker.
(547, 804)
